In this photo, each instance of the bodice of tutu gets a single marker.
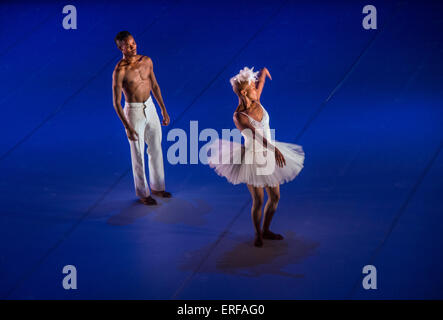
(261, 127)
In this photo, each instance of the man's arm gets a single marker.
(157, 93)
(117, 82)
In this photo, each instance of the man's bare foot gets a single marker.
(149, 201)
(258, 242)
(163, 194)
(271, 235)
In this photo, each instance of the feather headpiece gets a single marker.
(245, 75)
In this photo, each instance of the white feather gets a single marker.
(245, 74)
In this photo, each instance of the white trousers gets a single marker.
(143, 117)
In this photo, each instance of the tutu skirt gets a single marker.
(237, 169)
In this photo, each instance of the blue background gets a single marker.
(366, 105)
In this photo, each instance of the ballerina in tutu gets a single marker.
(260, 162)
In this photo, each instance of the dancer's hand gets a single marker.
(279, 158)
(266, 72)
(132, 134)
(166, 119)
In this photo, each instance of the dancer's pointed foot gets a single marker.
(269, 235)
(149, 201)
(258, 242)
(163, 194)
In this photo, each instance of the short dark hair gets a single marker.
(122, 35)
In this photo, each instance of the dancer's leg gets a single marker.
(137, 120)
(270, 208)
(137, 152)
(153, 138)
(257, 195)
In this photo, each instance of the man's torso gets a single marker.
(136, 81)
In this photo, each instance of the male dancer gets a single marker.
(134, 75)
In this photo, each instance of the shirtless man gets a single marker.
(134, 75)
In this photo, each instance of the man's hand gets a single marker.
(166, 119)
(132, 134)
(279, 158)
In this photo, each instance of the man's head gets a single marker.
(126, 43)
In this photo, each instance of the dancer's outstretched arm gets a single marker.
(261, 81)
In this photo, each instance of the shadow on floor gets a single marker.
(236, 255)
(186, 211)
(169, 211)
(130, 213)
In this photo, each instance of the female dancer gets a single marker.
(252, 120)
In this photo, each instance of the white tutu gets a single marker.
(246, 171)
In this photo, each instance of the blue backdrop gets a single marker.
(366, 105)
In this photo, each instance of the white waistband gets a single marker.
(138, 104)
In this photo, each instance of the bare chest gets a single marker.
(137, 72)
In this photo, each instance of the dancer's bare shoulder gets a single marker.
(119, 73)
(239, 117)
(147, 60)
(120, 67)
(238, 110)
